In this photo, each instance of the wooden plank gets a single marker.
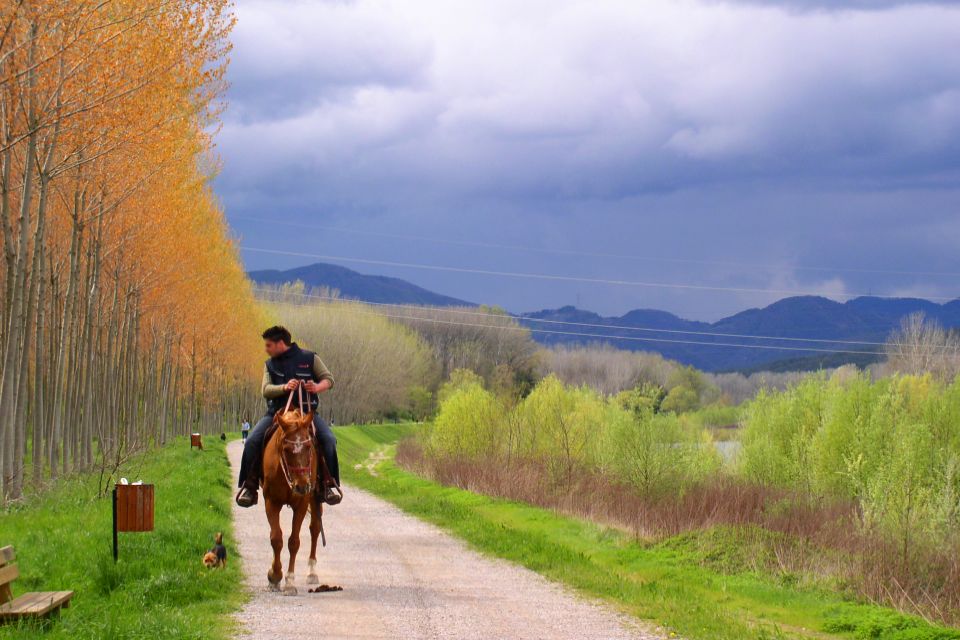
(123, 507)
(35, 604)
(7, 555)
(9, 573)
(131, 509)
(17, 607)
(138, 508)
(26, 603)
(42, 604)
(148, 515)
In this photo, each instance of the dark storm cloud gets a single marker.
(703, 129)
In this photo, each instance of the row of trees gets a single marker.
(389, 361)
(126, 316)
(569, 429)
(491, 343)
(611, 370)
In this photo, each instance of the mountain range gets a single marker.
(863, 319)
(359, 286)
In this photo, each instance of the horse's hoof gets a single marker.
(274, 580)
(289, 590)
(313, 580)
(274, 586)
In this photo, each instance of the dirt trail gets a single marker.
(404, 578)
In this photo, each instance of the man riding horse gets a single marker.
(288, 367)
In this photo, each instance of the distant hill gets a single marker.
(867, 319)
(353, 284)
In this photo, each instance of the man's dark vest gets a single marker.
(294, 363)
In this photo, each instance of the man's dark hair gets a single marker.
(278, 333)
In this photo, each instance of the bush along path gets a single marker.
(159, 589)
(689, 584)
(404, 578)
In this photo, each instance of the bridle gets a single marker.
(287, 470)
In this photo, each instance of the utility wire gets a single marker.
(593, 254)
(544, 276)
(339, 308)
(567, 322)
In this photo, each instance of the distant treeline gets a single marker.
(391, 360)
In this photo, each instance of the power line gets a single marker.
(544, 276)
(595, 254)
(594, 335)
(570, 323)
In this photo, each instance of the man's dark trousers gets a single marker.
(253, 447)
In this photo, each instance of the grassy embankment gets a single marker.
(690, 584)
(158, 589)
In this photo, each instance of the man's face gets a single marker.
(274, 347)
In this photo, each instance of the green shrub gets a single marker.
(893, 445)
(567, 428)
(642, 398)
(656, 453)
(560, 425)
(468, 423)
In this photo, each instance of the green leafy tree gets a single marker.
(642, 398)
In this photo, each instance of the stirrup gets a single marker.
(332, 495)
(255, 497)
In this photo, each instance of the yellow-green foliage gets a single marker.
(376, 362)
(560, 423)
(468, 422)
(891, 444)
(568, 428)
(656, 452)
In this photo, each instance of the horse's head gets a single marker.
(297, 454)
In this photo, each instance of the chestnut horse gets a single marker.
(289, 472)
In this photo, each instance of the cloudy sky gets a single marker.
(735, 151)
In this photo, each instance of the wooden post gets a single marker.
(116, 550)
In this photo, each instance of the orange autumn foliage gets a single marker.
(126, 315)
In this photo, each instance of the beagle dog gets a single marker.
(217, 556)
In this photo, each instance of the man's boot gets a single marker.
(332, 494)
(328, 489)
(248, 495)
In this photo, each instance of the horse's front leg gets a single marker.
(293, 545)
(316, 512)
(275, 573)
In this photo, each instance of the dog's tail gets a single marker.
(218, 538)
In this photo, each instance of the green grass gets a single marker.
(159, 588)
(672, 584)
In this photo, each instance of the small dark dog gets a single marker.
(217, 557)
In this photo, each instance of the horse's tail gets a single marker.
(316, 511)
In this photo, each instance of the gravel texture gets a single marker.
(403, 578)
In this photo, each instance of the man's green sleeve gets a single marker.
(270, 390)
(320, 370)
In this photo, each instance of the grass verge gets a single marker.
(158, 589)
(671, 583)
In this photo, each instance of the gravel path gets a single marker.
(404, 578)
